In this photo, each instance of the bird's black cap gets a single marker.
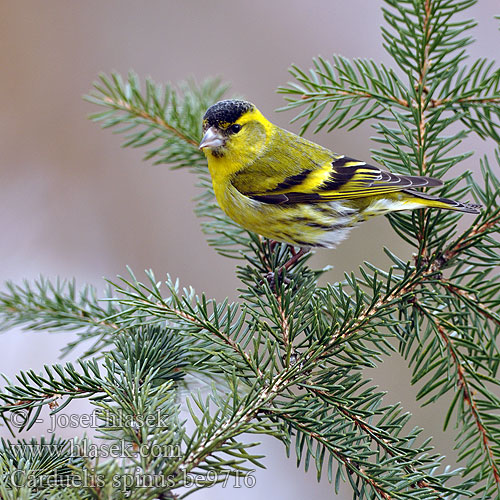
(227, 111)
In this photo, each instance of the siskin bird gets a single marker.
(286, 188)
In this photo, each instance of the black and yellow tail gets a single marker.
(427, 200)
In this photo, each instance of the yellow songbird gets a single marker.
(289, 189)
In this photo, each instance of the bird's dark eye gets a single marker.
(235, 128)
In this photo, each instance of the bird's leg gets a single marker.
(287, 265)
(273, 243)
(295, 257)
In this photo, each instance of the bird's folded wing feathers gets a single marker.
(341, 178)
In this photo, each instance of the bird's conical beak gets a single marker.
(212, 139)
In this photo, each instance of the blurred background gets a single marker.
(74, 204)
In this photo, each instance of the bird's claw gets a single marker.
(271, 277)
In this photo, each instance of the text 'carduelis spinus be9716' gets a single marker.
(284, 187)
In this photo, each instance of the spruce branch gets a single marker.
(188, 314)
(157, 115)
(462, 372)
(306, 362)
(170, 119)
(429, 47)
(354, 91)
(467, 364)
(439, 89)
(310, 360)
(43, 305)
(36, 460)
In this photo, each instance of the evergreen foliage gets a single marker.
(287, 360)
